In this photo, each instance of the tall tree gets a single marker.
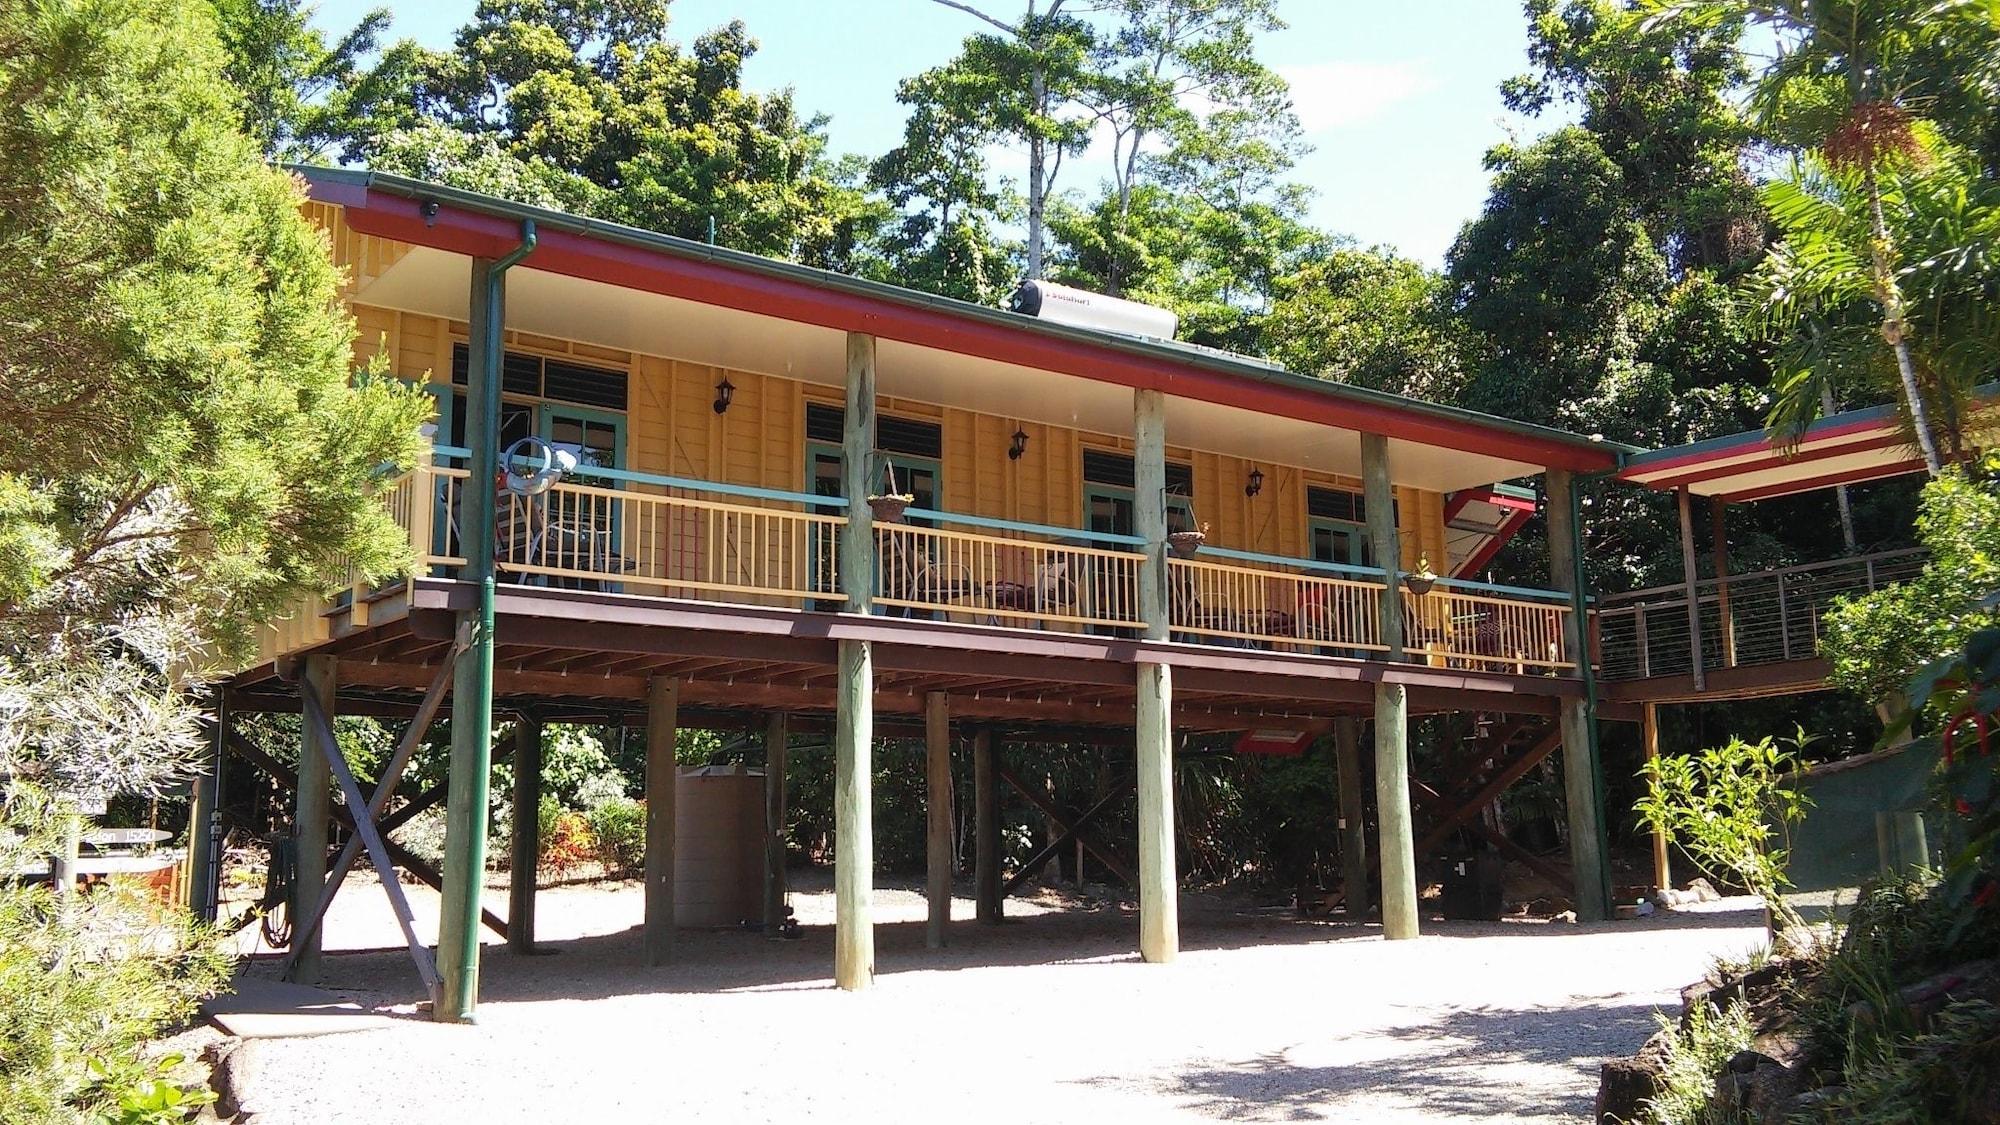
(185, 451)
(1661, 101)
(293, 82)
(1849, 79)
(592, 104)
(1030, 80)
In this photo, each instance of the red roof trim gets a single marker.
(1802, 457)
(466, 232)
(1653, 469)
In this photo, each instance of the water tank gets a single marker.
(1084, 309)
(718, 846)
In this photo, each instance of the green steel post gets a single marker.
(472, 677)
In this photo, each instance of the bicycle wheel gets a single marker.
(277, 925)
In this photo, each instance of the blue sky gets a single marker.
(1399, 99)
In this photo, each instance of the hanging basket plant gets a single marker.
(888, 507)
(1184, 538)
(1421, 580)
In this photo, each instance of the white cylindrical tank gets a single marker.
(1080, 307)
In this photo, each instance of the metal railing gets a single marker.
(1764, 617)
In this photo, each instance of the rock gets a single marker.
(1747, 1062)
(1568, 916)
(1812, 1102)
(1921, 1002)
(1700, 890)
(1767, 1092)
(1625, 1085)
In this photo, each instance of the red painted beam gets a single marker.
(1802, 457)
(718, 283)
(1649, 470)
(1516, 520)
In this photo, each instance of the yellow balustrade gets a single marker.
(649, 539)
(1453, 628)
(1290, 610)
(988, 578)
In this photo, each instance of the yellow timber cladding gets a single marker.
(672, 429)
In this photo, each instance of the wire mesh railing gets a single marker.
(1765, 617)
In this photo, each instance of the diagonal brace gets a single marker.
(385, 787)
(1068, 820)
(378, 854)
(1070, 833)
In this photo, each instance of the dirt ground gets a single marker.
(1050, 1017)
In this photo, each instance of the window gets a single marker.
(908, 436)
(1118, 471)
(536, 377)
(1337, 522)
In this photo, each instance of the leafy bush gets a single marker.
(568, 844)
(619, 827)
(1719, 805)
(84, 982)
(1876, 642)
(1695, 1056)
(1949, 1073)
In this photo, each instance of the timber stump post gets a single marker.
(1159, 878)
(986, 826)
(854, 708)
(526, 837)
(937, 817)
(1392, 703)
(1581, 791)
(313, 808)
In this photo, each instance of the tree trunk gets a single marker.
(1038, 95)
(1893, 328)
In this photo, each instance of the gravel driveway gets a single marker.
(1049, 1018)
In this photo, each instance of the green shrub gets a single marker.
(1948, 1074)
(84, 983)
(619, 827)
(1695, 1059)
(1719, 805)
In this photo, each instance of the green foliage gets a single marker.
(1371, 318)
(1721, 805)
(1658, 100)
(590, 106)
(142, 1091)
(1695, 1056)
(293, 83)
(1556, 275)
(1819, 298)
(618, 828)
(185, 450)
(1949, 1073)
(1877, 641)
(84, 982)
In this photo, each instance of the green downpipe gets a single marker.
(472, 751)
(1580, 609)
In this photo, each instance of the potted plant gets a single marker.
(889, 506)
(1420, 580)
(1185, 542)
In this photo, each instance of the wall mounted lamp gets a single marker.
(1018, 446)
(1256, 483)
(724, 391)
